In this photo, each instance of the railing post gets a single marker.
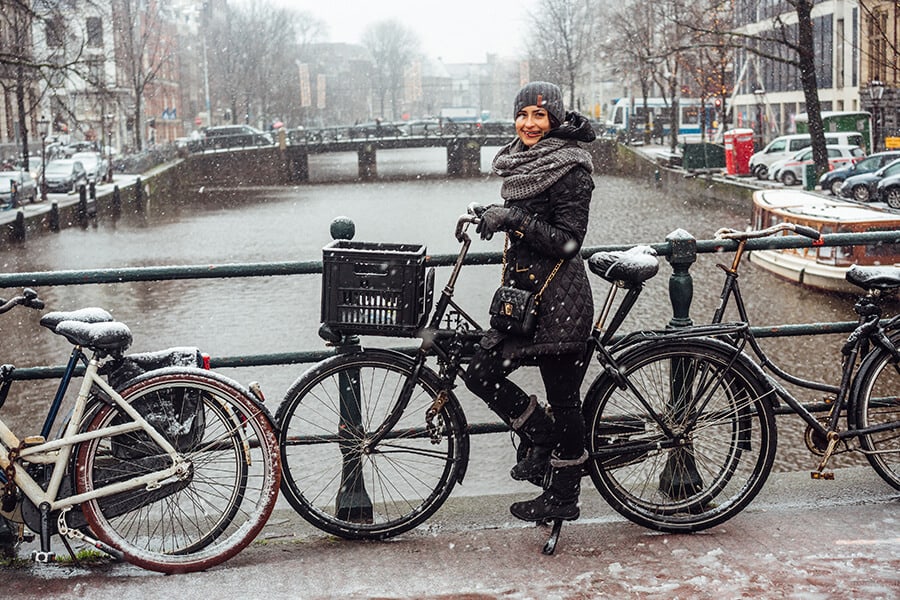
(681, 284)
(680, 478)
(352, 502)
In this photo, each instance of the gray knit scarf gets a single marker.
(529, 171)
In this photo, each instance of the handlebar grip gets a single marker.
(807, 232)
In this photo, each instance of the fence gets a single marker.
(679, 249)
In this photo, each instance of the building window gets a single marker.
(55, 32)
(94, 28)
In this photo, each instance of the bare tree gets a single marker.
(26, 68)
(145, 47)
(565, 40)
(784, 42)
(393, 47)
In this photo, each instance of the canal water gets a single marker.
(411, 202)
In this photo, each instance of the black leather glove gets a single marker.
(494, 219)
(476, 209)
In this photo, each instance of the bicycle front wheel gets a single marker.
(690, 440)
(877, 395)
(204, 515)
(342, 483)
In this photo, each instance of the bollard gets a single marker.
(139, 195)
(54, 216)
(13, 194)
(82, 204)
(352, 502)
(116, 202)
(18, 229)
(680, 478)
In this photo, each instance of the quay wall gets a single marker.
(165, 184)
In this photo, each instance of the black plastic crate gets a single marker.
(374, 288)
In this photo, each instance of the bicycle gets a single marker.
(679, 429)
(867, 396)
(175, 470)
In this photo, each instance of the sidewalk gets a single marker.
(799, 539)
(62, 200)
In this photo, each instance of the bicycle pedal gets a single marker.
(829, 475)
(39, 556)
(33, 440)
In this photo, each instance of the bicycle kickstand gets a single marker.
(550, 545)
(67, 532)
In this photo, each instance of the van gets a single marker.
(787, 145)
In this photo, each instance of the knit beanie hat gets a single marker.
(544, 94)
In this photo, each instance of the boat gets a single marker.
(822, 267)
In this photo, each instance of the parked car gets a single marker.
(65, 175)
(790, 171)
(236, 136)
(888, 191)
(833, 180)
(25, 184)
(423, 127)
(69, 150)
(863, 187)
(500, 127)
(376, 129)
(95, 164)
(786, 146)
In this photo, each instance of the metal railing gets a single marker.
(680, 249)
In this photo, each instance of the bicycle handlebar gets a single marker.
(734, 234)
(29, 298)
(462, 224)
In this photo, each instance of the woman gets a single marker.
(547, 190)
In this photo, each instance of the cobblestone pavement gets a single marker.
(799, 539)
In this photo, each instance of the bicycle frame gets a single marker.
(869, 329)
(58, 452)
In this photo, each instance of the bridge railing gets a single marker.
(680, 249)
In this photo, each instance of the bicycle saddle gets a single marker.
(84, 315)
(874, 278)
(631, 267)
(108, 335)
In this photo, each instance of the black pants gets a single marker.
(487, 378)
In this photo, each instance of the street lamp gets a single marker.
(43, 130)
(876, 91)
(108, 123)
(760, 95)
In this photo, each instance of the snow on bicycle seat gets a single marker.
(84, 315)
(631, 267)
(108, 335)
(872, 278)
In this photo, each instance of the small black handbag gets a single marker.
(515, 311)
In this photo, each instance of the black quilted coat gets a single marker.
(548, 227)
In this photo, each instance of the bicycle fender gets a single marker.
(204, 374)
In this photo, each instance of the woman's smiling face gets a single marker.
(532, 122)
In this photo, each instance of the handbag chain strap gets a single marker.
(547, 281)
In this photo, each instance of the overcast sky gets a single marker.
(453, 30)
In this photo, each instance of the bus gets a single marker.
(834, 121)
(658, 110)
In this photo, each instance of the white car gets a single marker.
(25, 183)
(94, 163)
(789, 171)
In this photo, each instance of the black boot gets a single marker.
(535, 428)
(560, 497)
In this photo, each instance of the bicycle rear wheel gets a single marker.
(336, 479)
(877, 396)
(722, 444)
(204, 516)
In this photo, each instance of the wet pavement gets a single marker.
(799, 539)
